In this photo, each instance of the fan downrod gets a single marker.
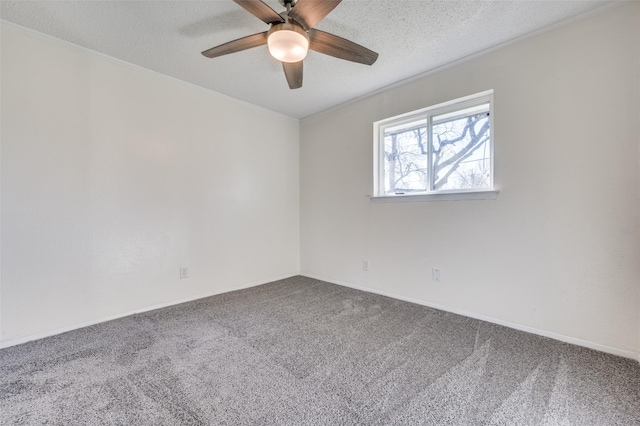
(291, 3)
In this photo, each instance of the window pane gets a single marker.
(406, 158)
(461, 149)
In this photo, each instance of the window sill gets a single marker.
(441, 196)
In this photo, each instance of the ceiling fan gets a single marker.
(292, 34)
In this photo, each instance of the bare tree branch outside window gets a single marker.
(460, 153)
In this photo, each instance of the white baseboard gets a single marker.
(36, 336)
(567, 339)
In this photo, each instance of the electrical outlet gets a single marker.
(365, 265)
(435, 274)
(184, 272)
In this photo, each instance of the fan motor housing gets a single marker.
(290, 25)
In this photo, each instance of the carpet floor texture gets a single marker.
(305, 352)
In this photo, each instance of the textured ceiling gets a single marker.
(412, 37)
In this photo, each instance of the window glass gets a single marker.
(461, 149)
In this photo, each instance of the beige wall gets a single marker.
(557, 253)
(113, 177)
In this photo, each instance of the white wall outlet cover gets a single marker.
(184, 273)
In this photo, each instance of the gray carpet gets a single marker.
(301, 351)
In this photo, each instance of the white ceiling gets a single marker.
(412, 37)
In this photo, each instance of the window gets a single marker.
(442, 149)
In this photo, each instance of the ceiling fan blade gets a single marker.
(339, 47)
(243, 43)
(293, 72)
(261, 11)
(309, 12)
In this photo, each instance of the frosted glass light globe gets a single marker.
(288, 43)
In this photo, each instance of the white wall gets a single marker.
(558, 251)
(113, 177)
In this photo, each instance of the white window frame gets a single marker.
(427, 113)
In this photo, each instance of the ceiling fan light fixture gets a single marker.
(288, 42)
(292, 34)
